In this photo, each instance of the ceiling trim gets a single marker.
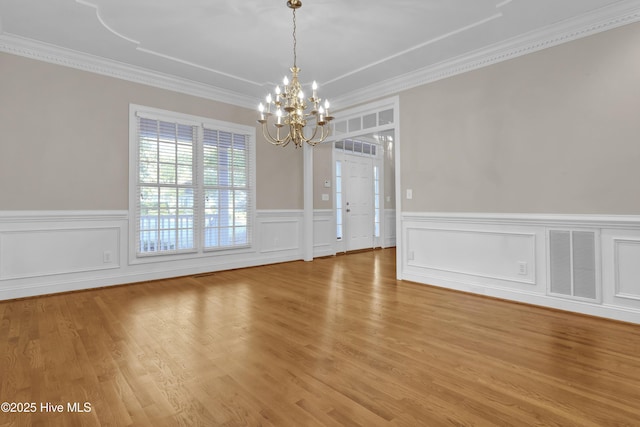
(139, 47)
(104, 24)
(33, 49)
(418, 46)
(585, 25)
(625, 12)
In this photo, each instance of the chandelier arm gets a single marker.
(274, 141)
(265, 132)
(326, 130)
(312, 137)
(324, 134)
(284, 141)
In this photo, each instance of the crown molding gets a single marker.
(40, 51)
(622, 13)
(607, 18)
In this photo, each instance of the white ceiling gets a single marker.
(244, 47)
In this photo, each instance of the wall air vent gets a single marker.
(572, 264)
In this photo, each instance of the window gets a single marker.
(226, 189)
(356, 146)
(376, 201)
(339, 200)
(192, 186)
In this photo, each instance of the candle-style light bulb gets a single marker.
(261, 109)
(279, 115)
(326, 106)
(314, 86)
(269, 101)
(285, 81)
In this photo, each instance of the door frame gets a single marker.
(346, 118)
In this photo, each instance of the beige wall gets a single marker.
(280, 176)
(322, 171)
(64, 138)
(557, 131)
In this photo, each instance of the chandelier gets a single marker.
(287, 113)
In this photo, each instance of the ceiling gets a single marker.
(244, 47)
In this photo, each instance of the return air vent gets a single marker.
(572, 262)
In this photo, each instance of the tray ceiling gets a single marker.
(245, 47)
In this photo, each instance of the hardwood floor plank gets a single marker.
(334, 342)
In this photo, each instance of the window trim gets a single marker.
(200, 122)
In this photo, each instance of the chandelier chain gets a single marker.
(295, 41)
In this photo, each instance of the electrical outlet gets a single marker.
(522, 268)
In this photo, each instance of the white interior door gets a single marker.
(358, 202)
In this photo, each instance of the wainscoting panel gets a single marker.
(324, 233)
(483, 253)
(621, 268)
(44, 252)
(509, 256)
(280, 231)
(59, 251)
(627, 254)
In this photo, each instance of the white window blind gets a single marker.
(226, 186)
(194, 187)
(166, 186)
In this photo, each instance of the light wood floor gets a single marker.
(335, 342)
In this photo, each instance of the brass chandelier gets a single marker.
(288, 108)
